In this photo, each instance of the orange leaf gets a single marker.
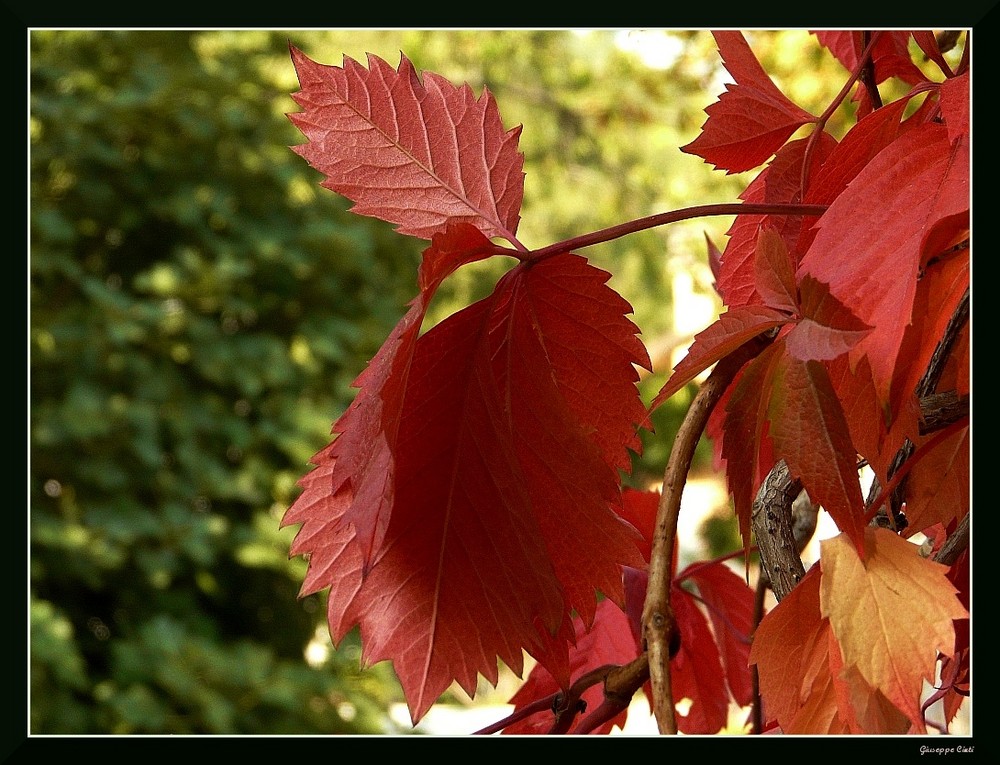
(791, 649)
(891, 613)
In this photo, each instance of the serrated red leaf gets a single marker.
(358, 467)
(917, 181)
(752, 118)
(418, 154)
(499, 460)
(809, 431)
(733, 328)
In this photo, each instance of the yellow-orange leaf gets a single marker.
(891, 613)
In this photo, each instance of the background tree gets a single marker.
(197, 311)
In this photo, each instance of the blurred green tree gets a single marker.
(198, 310)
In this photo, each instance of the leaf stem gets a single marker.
(859, 69)
(673, 216)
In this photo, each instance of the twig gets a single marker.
(658, 624)
(771, 519)
(673, 216)
(834, 105)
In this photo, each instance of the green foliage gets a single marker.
(199, 309)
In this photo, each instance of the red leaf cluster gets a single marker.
(469, 508)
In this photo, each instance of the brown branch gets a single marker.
(868, 74)
(658, 625)
(956, 543)
(771, 520)
(939, 410)
(620, 686)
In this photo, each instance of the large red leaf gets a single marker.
(752, 118)
(502, 446)
(861, 143)
(417, 154)
(955, 105)
(917, 181)
(358, 467)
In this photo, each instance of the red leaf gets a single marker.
(810, 432)
(928, 44)
(857, 148)
(917, 181)
(779, 182)
(790, 648)
(358, 467)
(890, 57)
(955, 105)
(746, 446)
(828, 328)
(752, 119)
(639, 508)
(696, 670)
(499, 462)
(775, 273)
(729, 332)
(608, 641)
(937, 490)
(939, 293)
(420, 155)
(730, 605)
